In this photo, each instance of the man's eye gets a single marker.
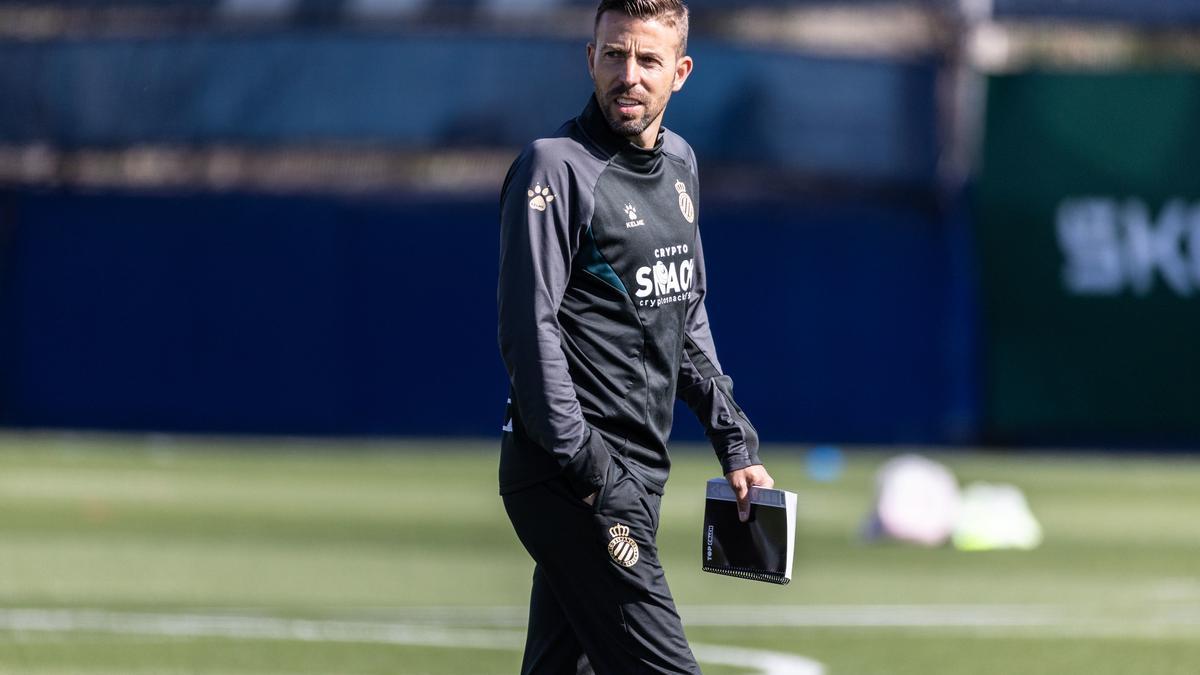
(613, 54)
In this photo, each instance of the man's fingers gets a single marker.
(741, 490)
(742, 480)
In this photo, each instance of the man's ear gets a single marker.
(683, 68)
(591, 54)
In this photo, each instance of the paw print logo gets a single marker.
(539, 197)
(630, 212)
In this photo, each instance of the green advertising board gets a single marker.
(1088, 213)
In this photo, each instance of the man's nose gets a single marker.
(630, 74)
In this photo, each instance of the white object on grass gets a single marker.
(916, 501)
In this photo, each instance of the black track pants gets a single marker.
(600, 602)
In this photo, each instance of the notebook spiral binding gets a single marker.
(748, 574)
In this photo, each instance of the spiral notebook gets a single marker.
(762, 548)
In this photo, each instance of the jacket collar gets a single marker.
(621, 151)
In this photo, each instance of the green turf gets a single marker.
(414, 534)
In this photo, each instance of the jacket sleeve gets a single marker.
(539, 236)
(708, 391)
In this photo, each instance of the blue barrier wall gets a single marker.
(843, 321)
(319, 315)
(249, 314)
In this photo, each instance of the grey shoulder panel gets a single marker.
(675, 146)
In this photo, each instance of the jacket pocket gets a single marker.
(616, 474)
(622, 496)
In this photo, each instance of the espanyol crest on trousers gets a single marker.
(622, 549)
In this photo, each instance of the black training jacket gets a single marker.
(602, 319)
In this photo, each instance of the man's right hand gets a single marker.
(591, 499)
(742, 480)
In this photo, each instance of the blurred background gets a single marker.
(250, 392)
(929, 222)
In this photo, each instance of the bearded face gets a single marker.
(636, 67)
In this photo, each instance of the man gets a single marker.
(602, 325)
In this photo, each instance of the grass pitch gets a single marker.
(160, 555)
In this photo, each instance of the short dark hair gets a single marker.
(673, 13)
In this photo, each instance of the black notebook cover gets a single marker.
(762, 548)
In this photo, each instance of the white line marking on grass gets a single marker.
(1150, 620)
(828, 616)
(304, 630)
(254, 627)
(767, 663)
